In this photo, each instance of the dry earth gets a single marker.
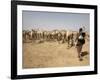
(53, 54)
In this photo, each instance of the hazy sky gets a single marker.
(54, 20)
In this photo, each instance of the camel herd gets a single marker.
(60, 36)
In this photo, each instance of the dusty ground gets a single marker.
(52, 54)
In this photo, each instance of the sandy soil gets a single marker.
(53, 54)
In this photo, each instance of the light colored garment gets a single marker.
(80, 37)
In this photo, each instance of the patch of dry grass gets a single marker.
(52, 54)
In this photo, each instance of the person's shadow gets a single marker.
(84, 53)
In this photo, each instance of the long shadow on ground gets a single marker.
(84, 53)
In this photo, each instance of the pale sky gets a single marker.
(54, 20)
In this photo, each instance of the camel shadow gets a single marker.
(84, 53)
